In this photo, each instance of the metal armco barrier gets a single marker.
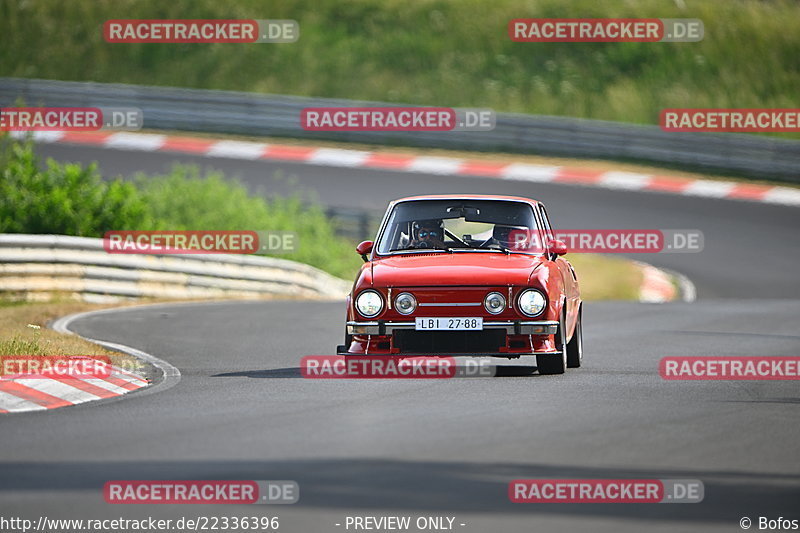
(272, 115)
(38, 266)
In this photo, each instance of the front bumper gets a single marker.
(499, 338)
(512, 327)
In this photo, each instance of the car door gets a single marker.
(568, 276)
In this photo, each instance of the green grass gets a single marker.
(605, 277)
(432, 52)
(187, 200)
(18, 345)
(18, 337)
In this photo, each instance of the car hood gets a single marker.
(456, 269)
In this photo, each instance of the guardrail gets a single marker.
(37, 266)
(272, 115)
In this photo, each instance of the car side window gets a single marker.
(546, 221)
(547, 228)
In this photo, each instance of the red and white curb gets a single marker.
(510, 170)
(38, 393)
(659, 285)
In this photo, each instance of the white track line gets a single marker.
(338, 158)
(59, 389)
(625, 180)
(237, 150)
(526, 172)
(435, 165)
(15, 404)
(136, 141)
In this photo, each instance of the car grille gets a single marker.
(453, 342)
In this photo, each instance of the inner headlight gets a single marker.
(405, 303)
(369, 303)
(532, 302)
(495, 303)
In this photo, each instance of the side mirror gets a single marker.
(364, 248)
(558, 247)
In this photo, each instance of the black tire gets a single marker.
(348, 339)
(341, 349)
(553, 364)
(575, 344)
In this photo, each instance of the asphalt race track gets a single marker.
(446, 447)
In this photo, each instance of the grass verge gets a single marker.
(603, 277)
(24, 331)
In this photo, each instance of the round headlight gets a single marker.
(405, 303)
(495, 303)
(369, 303)
(532, 302)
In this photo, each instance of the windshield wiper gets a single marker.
(419, 250)
(500, 249)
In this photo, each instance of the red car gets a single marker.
(447, 276)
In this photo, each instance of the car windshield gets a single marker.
(458, 225)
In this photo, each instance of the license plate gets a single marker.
(448, 324)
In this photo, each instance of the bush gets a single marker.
(64, 198)
(183, 200)
(69, 199)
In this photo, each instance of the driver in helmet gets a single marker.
(514, 238)
(427, 234)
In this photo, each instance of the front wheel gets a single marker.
(348, 339)
(575, 345)
(555, 364)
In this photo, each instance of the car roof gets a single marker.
(530, 201)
